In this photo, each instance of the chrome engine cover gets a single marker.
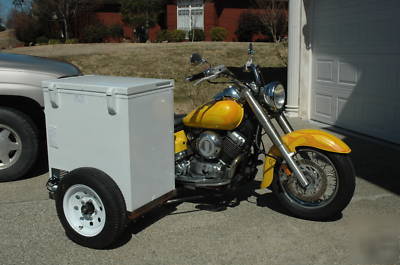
(209, 145)
(192, 169)
(206, 169)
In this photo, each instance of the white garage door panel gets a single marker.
(356, 66)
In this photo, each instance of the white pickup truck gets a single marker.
(22, 124)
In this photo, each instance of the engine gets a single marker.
(213, 153)
(209, 145)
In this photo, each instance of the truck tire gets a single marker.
(19, 144)
(91, 208)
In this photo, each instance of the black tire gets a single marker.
(112, 202)
(20, 125)
(346, 179)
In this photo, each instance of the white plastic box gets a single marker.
(120, 125)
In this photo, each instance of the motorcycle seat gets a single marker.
(178, 122)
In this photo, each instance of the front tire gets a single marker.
(19, 144)
(91, 208)
(332, 184)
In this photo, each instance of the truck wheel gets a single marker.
(91, 208)
(19, 144)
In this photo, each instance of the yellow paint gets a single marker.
(180, 141)
(269, 165)
(219, 115)
(308, 137)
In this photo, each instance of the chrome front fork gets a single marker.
(284, 123)
(273, 134)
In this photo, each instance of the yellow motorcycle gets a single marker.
(218, 145)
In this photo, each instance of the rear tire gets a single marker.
(19, 144)
(91, 208)
(332, 206)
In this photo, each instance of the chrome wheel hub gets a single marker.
(320, 173)
(316, 178)
(10, 147)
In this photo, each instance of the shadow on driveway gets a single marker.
(375, 161)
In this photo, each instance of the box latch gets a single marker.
(111, 101)
(53, 94)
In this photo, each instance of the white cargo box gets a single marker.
(120, 125)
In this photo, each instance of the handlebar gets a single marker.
(210, 73)
(195, 77)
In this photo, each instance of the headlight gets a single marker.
(273, 95)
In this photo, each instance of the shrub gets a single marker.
(196, 35)
(218, 33)
(177, 35)
(171, 35)
(163, 35)
(25, 26)
(94, 33)
(249, 24)
(116, 31)
(71, 41)
(54, 41)
(42, 40)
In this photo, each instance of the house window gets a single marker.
(190, 14)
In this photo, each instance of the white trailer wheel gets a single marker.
(84, 210)
(91, 208)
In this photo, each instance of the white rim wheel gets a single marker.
(84, 210)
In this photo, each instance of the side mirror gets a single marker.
(196, 59)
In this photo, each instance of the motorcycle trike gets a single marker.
(219, 147)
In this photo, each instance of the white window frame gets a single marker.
(189, 6)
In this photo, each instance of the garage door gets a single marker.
(356, 66)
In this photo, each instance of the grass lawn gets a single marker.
(160, 60)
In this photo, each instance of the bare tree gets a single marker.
(22, 5)
(63, 10)
(141, 15)
(274, 16)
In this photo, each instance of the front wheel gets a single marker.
(332, 183)
(19, 144)
(91, 208)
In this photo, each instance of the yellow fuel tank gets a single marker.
(219, 115)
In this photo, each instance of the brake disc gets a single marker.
(316, 177)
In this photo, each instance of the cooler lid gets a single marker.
(101, 84)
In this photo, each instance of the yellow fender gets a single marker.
(180, 141)
(312, 138)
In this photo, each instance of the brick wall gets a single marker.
(210, 19)
(229, 19)
(171, 17)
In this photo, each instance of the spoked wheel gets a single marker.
(91, 208)
(332, 183)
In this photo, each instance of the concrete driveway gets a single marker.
(258, 231)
